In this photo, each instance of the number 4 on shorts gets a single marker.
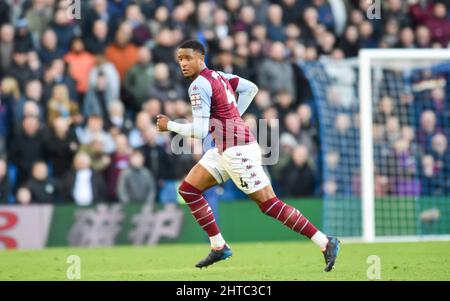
(243, 184)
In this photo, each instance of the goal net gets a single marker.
(384, 127)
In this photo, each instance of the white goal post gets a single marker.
(367, 57)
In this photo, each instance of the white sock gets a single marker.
(320, 239)
(217, 241)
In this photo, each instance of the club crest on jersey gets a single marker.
(196, 101)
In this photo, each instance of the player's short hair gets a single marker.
(193, 44)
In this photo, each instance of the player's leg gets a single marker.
(202, 176)
(244, 166)
(289, 216)
(191, 189)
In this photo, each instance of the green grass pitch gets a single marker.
(251, 261)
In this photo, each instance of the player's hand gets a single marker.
(161, 122)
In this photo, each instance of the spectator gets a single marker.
(298, 177)
(140, 77)
(153, 107)
(119, 162)
(385, 110)
(134, 16)
(441, 154)
(275, 26)
(326, 43)
(39, 17)
(100, 160)
(117, 8)
(119, 121)
(5, 125)
(367, 38)
(166, 43)
(122, 48)
(93, 129)
(4, 181)
(276, 72)
(137, 136)
(20, 70)
(23, 196)
(159, 19)
(438, 104)
(287, 145)
(391, 33)
(157, 160)
(423, 37)
(396, 10)
(13, 103)
(260, 7)
(64, 29)
(6, 47)
(428, 177)
(34, 92)
(406, 38)
(5, 12)
(31, 109)
(80, 64)
(60, 105)
(427, 130)
(291, 9)
(224, 62)
(246, 19)
(98, 98)
(82, 185)
(49, 50)
(164, 88)
(62, 144)
(261, 102)
(293, 128)
(23, 38)
(136, 183)
(42, 188)
(434, 17)
(403, 169)
(99, 11)
(350, 42)
(307, 122)
(35, 64)
(27, 147)
(56, 73)
(103, 66)
(325, 14)
(309, 26)
(98, 41)
(284, 103)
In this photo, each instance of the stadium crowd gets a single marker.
(79, 96)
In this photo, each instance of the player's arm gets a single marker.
(244, 88)
(201, 106)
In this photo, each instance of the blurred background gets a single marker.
(79, 96)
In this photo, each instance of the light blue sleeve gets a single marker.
(200, 93)
(244, 88)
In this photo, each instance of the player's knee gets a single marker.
(185, 190)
